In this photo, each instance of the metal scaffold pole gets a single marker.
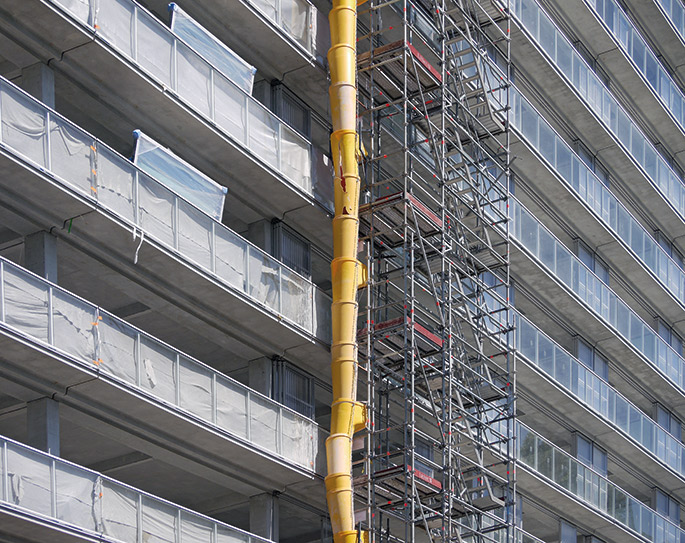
(435, 329)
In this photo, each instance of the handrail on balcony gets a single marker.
(100, 341)
(559, 51)
(72, 497)
(104, 178)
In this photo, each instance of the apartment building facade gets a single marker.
(165, 248)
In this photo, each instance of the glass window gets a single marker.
(599, 460)
(584, 450)
(567, 532)
(601, 366)
(584, 353)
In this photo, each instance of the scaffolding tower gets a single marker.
(435, 332)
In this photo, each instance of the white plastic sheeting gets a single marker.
(104, 177)
(100, 340)
(24, 125)
(80, 498)
(213, 50)
(179, 176)
(25, 300)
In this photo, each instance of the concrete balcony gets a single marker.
(181, 101)
(549, 166)
(594, 310)
(581, 396)
(552, 477)
(633, 67)
(255, 28)
(594, 112)
(132, 388)
(121, 219)
(663, 23)
(44, 498)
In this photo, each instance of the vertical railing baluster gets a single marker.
(212, 249)
(5, 473)
(134, 44)
(139, 519)
(53, 487)
(214, 399)
(212, 95)
(177, 378)
(247, 121)
(47, 154)
(280, 289)
(174, 223)
(138, 361)
(51, 321)
(248, 413)
(3, 316)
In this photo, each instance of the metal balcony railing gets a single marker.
(560, 157)
(98, 340)
(593, 489)
(162, 55)
(81, 162)
(641, 56)
(594, 94)
(603, 302)
(69, 497)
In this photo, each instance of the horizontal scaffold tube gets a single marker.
(347, 415)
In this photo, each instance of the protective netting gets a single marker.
(47, 486)
(213, 50)
(55, 317)
(179, 176)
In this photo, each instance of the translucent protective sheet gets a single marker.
(297, 439)
(159, 522)
(115, 22)
(263, 133)
(196, 389)
(115, 184)
(213, 50)
(26, 303)
(78, 8)
(263, 423)
(156, 210)
(296, 162)
(119, 510)
(225, 535)
(230, 108)
(29, 480)
(231, 410)
(154, 48)
(322, 173)
(264, 278)
(194, 80)
(71, 156)
(158, 370)
(195, 529)
(194, 235)
(230, 257)
(179, 176)
(77, 496)
(268, 7)
(295, 21)
(74, 330)
(322, 326)
(23, 125)
(117, 349)
(296, 298)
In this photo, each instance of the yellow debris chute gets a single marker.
(347, 415)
